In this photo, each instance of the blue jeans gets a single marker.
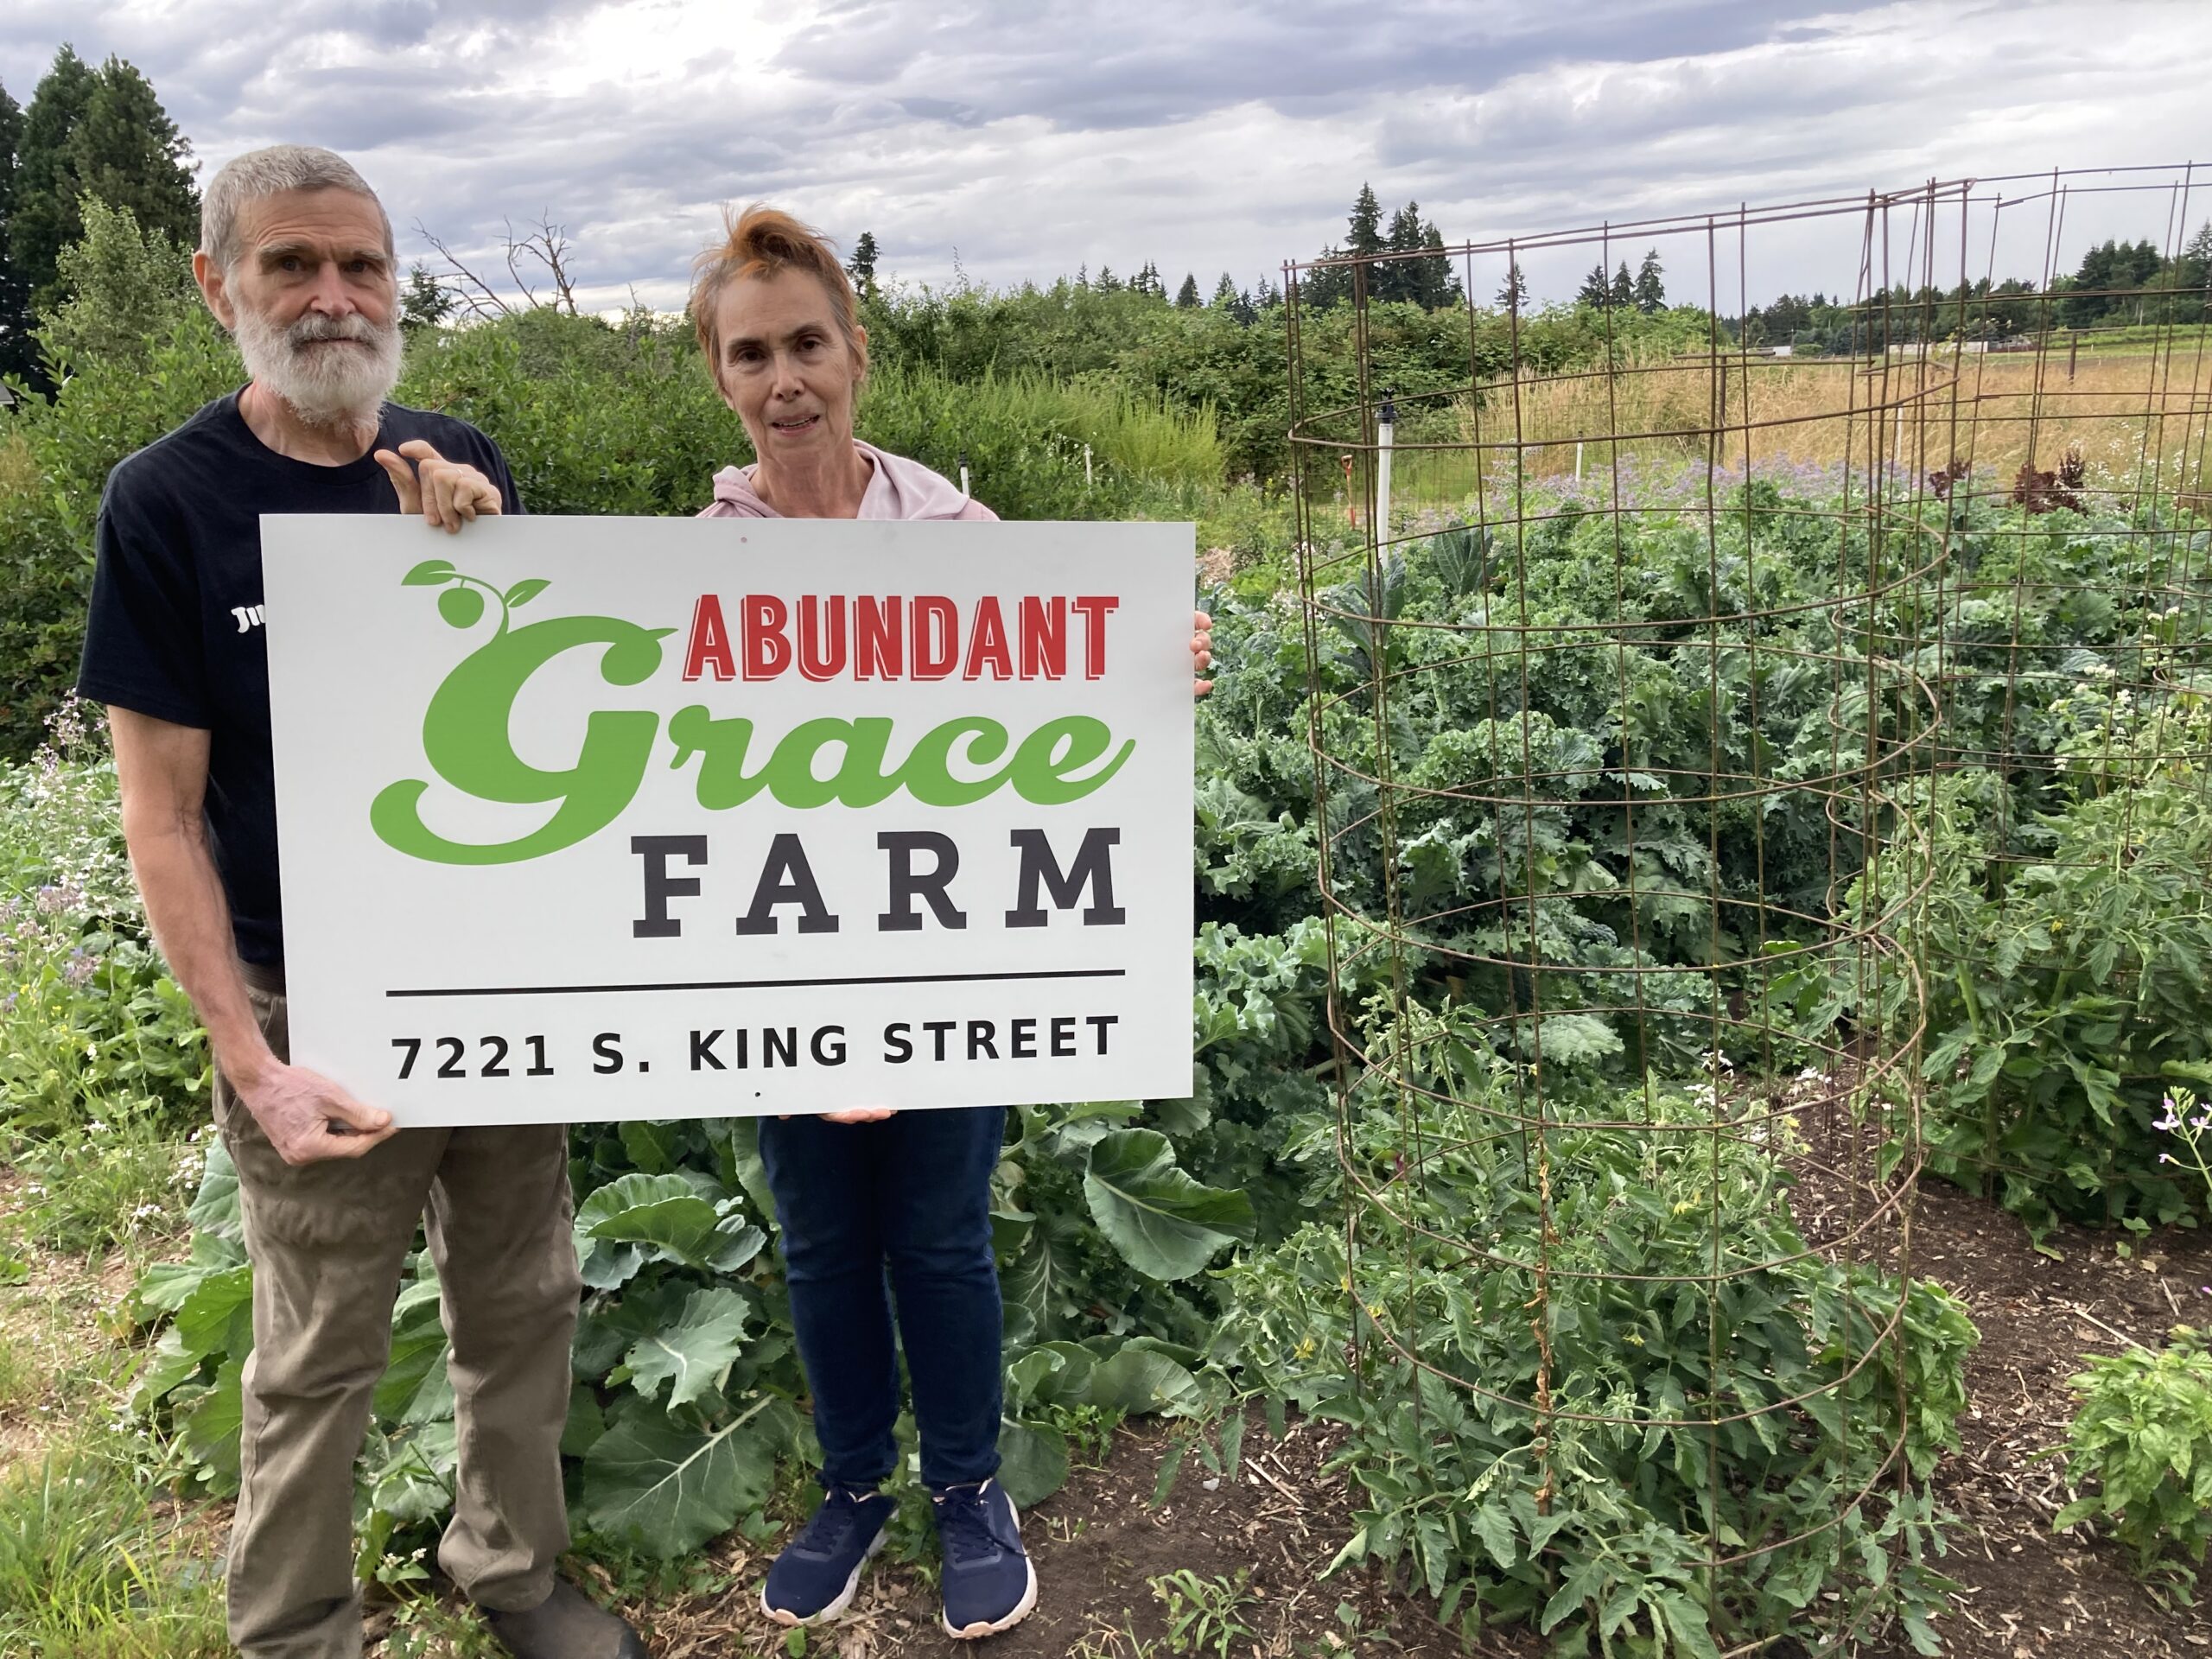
(897, 1212)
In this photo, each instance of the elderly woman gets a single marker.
(861, 1191)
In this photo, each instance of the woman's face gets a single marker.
(786, 370)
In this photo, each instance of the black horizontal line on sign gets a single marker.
(760, 984)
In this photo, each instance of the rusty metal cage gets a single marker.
(1637, 645)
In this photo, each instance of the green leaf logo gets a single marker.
(463, 603)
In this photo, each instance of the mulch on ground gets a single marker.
(1098, 1544)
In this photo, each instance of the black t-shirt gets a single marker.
(175, 628)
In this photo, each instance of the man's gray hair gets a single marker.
(269, 172)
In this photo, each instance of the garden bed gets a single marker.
(2028, 1594)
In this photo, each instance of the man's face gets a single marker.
(312, 302)
(305, 250)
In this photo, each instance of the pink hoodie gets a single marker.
(897, 489)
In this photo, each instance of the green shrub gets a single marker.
(92, 1026)
(2143, 1434)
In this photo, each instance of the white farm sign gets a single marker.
(594, 818)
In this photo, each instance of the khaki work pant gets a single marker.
(329, 1242)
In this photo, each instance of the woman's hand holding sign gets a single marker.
(447, 493)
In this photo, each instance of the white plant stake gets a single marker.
(1386, 427)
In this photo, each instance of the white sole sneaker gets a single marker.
(844, 1597)
(1022, 1609)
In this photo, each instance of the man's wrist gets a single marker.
(247, 1065)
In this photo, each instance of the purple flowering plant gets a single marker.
(2189, 1123)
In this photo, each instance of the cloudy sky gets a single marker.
(1011, 141)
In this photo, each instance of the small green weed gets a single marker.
(1203, 1615)
(1090, 1430)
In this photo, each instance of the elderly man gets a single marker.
(296, 260)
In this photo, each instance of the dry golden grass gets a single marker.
(2138, 416)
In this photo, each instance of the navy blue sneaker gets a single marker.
(989, 1583)
(815, 1578)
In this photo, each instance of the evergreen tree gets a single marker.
(2196, 258)
(1439, 288)
(1651, 291)
(128, 153)
(1513, 293)
(1366, 222)
(1399, 279)
(425, 302)
(1624, 294)
(862, 266)
(1224, 291)
(1596, 291)
(1187, 297)
(44, 219)
(1106, 282)
(98, 134)
(16, 348)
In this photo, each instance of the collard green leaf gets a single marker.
(217, 1318)
(215, 1208)
(1141, 1382)
(417, 1387)
(411, 1481)
(1032, 1461)
(667, 1217)
(1165, 1224)
(666, 1489)
(586, 1423)
(692, 1352)
(211, 1425)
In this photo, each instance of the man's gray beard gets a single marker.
(326, 385)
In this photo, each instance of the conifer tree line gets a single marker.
(1646, 291)
(86, 134)
(1425, 279)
